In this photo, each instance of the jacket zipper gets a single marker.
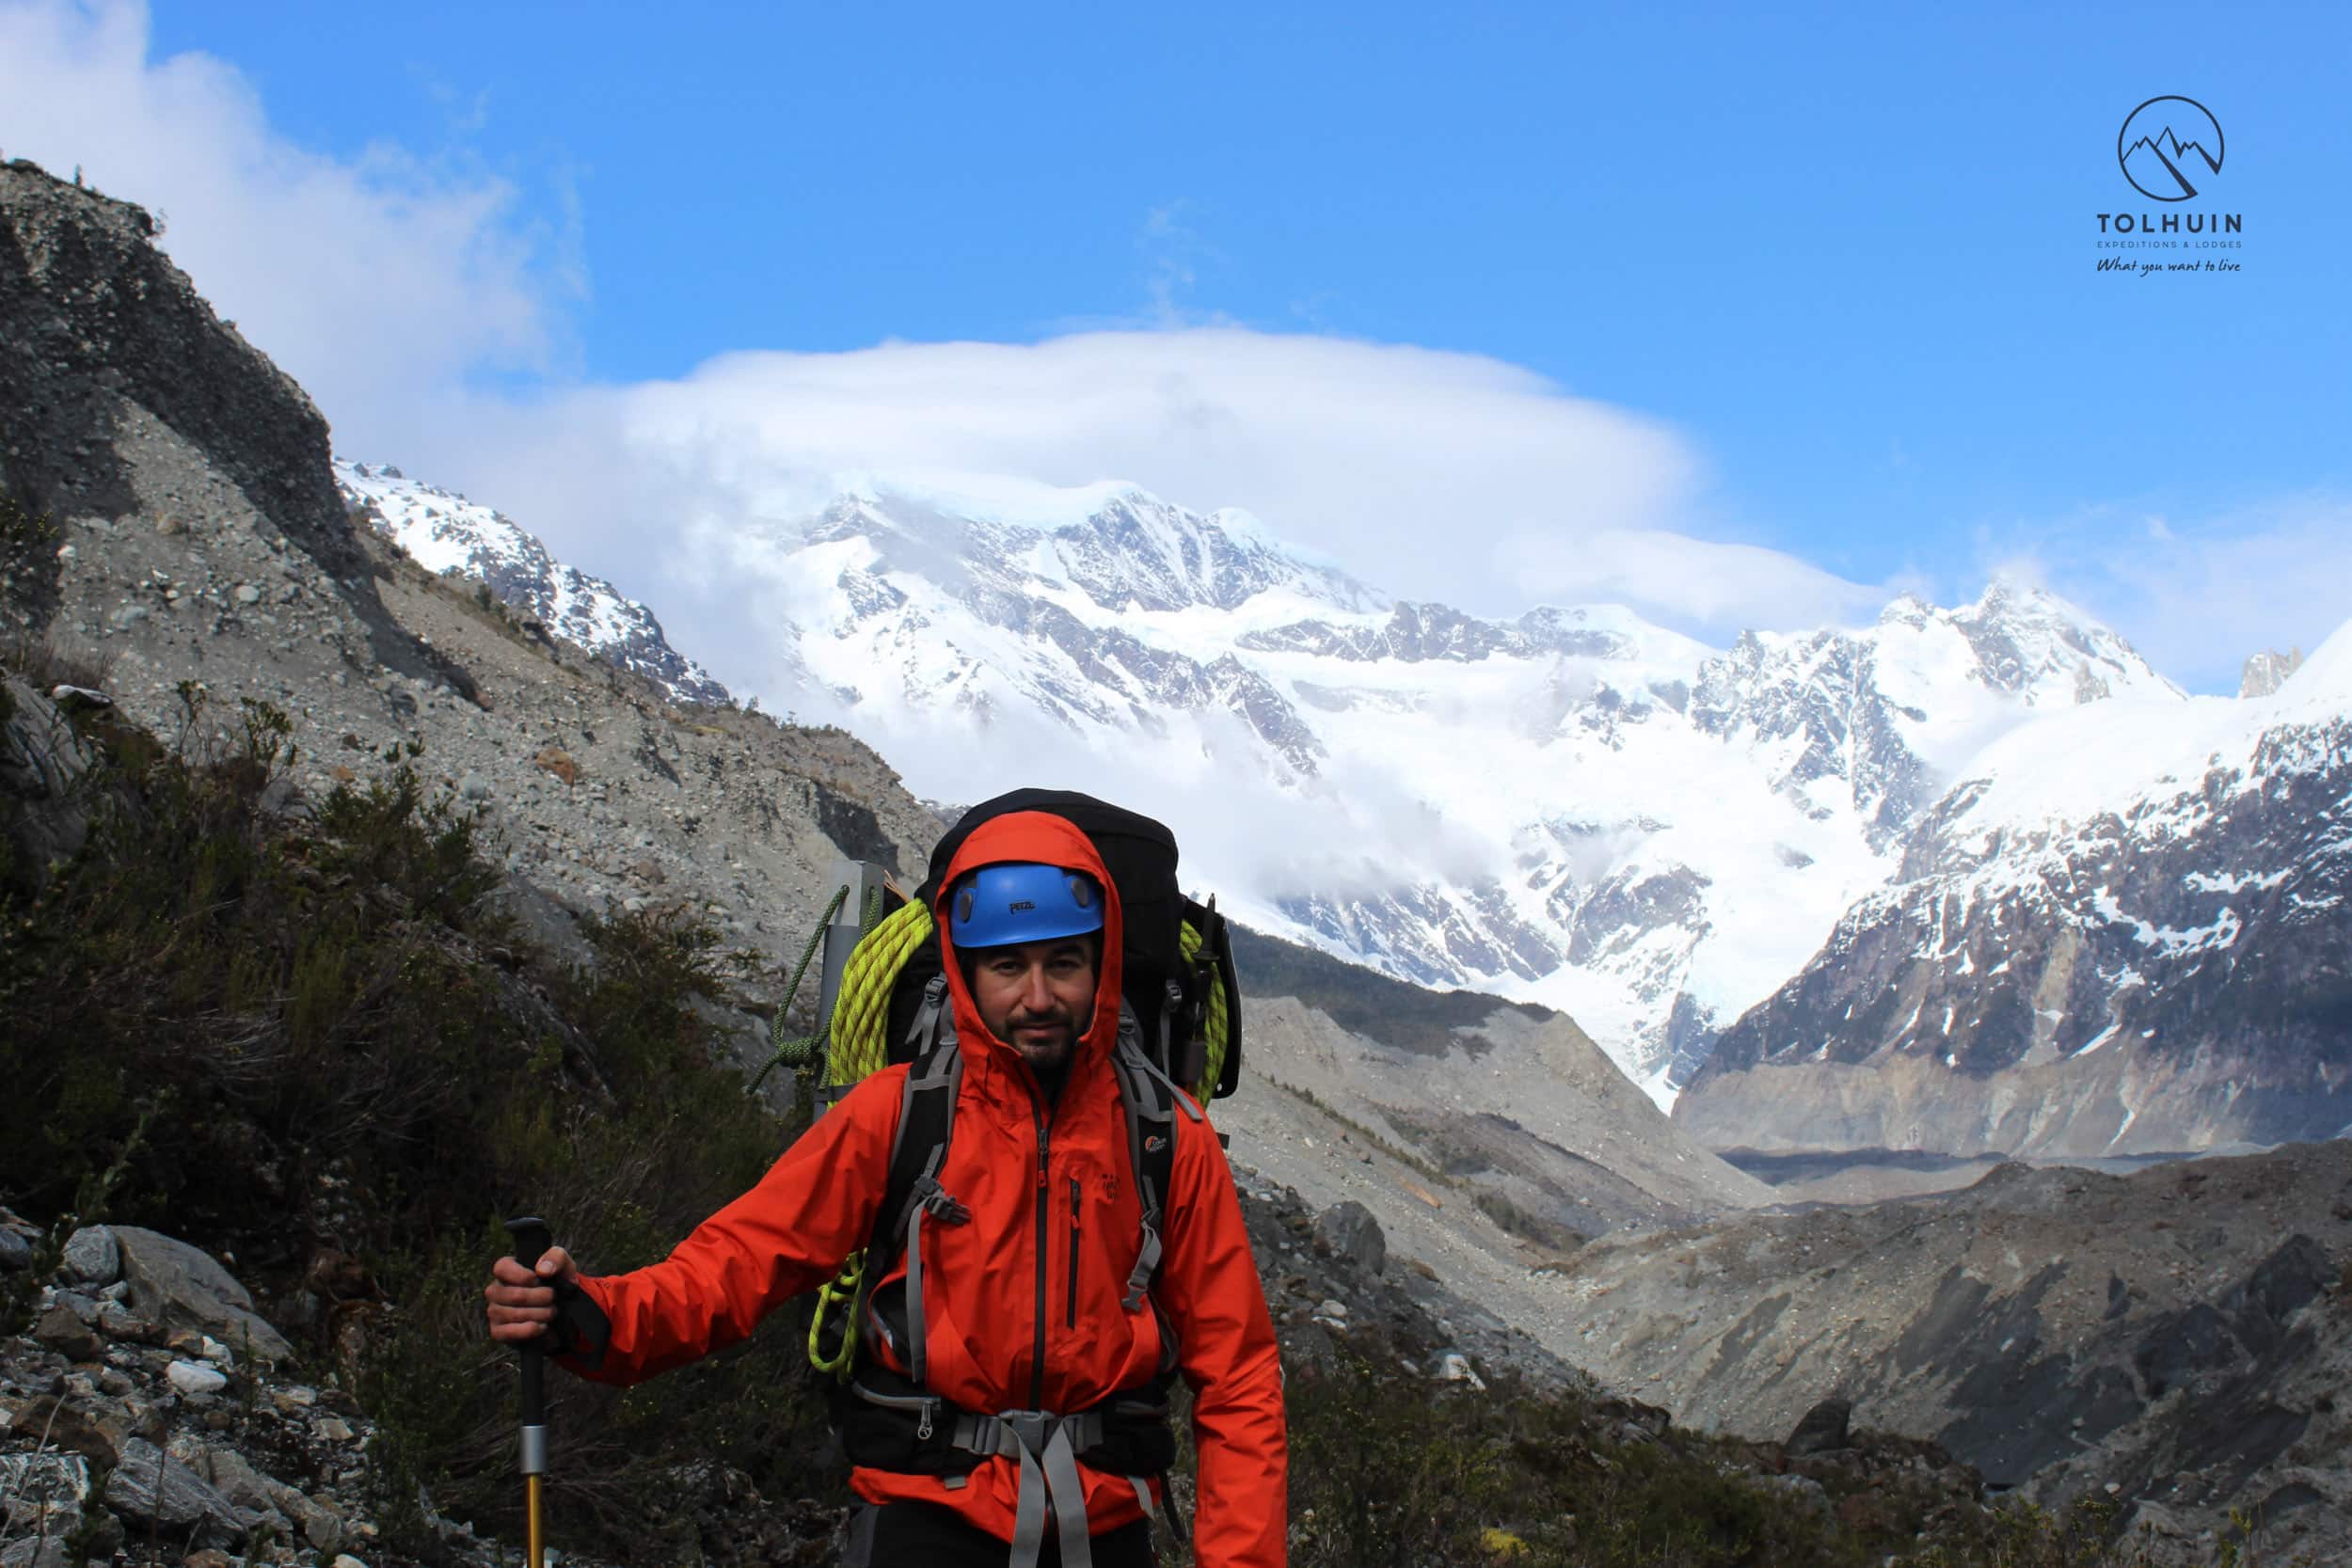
(1072, 1319)
(1037, 1366)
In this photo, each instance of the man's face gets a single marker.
(1037, 997)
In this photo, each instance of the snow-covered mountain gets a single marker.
(2121, 932)
(446, 532)
(1573, 806)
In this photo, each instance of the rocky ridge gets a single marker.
(447, 533)
(2174, 1340)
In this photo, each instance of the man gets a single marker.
(1026, 1240)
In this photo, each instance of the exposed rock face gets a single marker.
(201, 538)
(2176, 1332)
(112, 360)
(2165, 965)
(2266, 672)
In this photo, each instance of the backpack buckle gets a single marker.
(1033, 1428)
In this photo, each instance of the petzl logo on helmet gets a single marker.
(2166, 145)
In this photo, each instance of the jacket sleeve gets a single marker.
(1225, 1340)
(788, 1234)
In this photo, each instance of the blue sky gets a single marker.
(1841, 257)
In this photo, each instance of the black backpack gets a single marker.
(1180, 1026)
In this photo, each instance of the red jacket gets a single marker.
(982, 1298)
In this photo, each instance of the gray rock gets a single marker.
(1823, 1428)
(41, 760)
(321, 1526)
(177, 1285)
(1454, 1367)
(82, 1307)
(473, 786)
(46, 1551)
(42, 1490)
(232, 1475)
(192, 1377)
(92, 1257)
(247, 593)
(15, 1251)
(1350, 1231)
(151, 1490)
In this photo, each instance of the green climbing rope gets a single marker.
(1215, 1025)
(860, 1026)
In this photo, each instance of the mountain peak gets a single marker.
(2267, 671)
(2033, 643)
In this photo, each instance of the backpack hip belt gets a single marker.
(1126, 1434)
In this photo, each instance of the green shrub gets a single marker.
(215, 1015)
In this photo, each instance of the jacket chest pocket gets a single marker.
(1098, 1229)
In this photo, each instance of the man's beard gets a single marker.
(1045, 1056)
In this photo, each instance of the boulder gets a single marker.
(177, 1285)
(92, 1257)
(15, 1251)
(153, 1491)
(44, 1494)
(194, 1377)
(229, 1473)
(1351, 1232)
(1822, 1428)
(43, 814)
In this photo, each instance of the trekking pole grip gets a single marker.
(531, 1241)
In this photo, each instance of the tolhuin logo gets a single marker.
(2166, 145)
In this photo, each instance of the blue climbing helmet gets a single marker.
(999, 906)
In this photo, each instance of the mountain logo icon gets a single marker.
(2166, 145)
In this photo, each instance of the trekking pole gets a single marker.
(531, 1241)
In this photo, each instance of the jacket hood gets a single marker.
(1049, 840)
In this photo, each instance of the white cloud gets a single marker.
(1431, 474)
(387, 284)
(2197, 595)
(379, 282)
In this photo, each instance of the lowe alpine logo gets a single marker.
(1154, 1143)
(2168, 146)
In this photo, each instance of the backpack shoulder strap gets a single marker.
(926, 1115)
(927, 1111)
(1148, 1103)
